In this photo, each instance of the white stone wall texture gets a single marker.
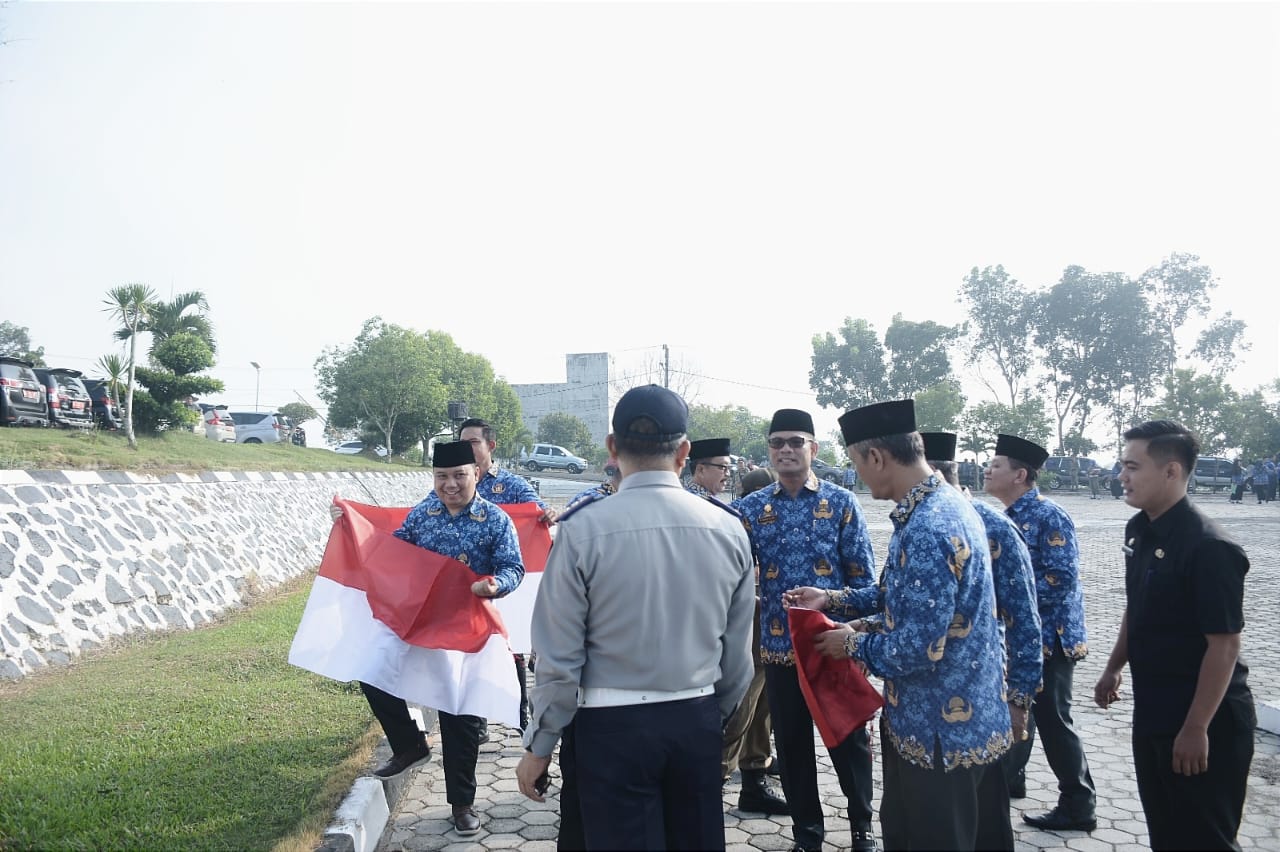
(87, 556)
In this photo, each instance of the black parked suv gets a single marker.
(69, 403)
(105, 412)
(23, 401)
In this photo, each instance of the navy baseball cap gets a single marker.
(664, 407)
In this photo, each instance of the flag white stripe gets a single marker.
(517, 612)
(339, 638)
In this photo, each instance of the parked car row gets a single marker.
(43, 396)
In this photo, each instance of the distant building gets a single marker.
(588, 394)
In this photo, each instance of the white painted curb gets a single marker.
(360, 818)
(1268, 717)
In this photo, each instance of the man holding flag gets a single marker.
(457, 524)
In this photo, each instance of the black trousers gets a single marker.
(571, 837)
(392, 714)
(460, 747)
(1195, 811)
(935, 809)
(459, 740)
(793, 735)
(648, 775)
(1051, 715)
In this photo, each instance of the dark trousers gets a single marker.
(934, 809)
(793, 734)
(459, 740)
(1194, 811)
(648, 775)
(392, 714)
(460, 747)
(522, 674)
(571, 836)
(1051, 715)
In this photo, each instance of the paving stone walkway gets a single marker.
(420, 819)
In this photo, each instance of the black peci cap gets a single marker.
(453, 454)
(791, 420)
(1021, 449)
(939, 446)
(897, 417)
(709, 448)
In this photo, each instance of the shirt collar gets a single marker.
(1164, 526)
(907, 505)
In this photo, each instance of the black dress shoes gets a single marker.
(1059, 820)
(465, 821)
(400, 762)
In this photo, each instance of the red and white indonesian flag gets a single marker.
(535, 543)
(404, 619)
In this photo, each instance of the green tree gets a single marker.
(849, 372)
(917, 353)
(15, 340)
(566, 430)
(746, 432)
(183, 314)
(938, 408)
(1219, 345)
(389, 372)
(114, 368)
(1176, 289)
(299, 412)
(1254, 422)
(980, 424)
(1204, 404)
(130, 305)
(999, 311)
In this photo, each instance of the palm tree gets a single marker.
(165, 319)
(115, 369)
(130, 305)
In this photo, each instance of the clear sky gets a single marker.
(538, 179)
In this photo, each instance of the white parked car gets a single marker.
(258, 427)
(218, 425)
(355, 448)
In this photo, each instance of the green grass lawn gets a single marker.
(67, 449)
(203, 739)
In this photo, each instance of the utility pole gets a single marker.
(666, 366)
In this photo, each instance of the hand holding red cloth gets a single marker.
(840, 698)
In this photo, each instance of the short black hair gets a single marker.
(1168, 440)
(486, 430)
(633, 443)
(904, 448)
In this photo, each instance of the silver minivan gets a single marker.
(555, 457)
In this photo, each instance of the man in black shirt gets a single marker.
(1193, 713)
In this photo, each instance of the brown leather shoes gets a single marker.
(465, 821)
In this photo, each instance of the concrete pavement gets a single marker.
(418, 815)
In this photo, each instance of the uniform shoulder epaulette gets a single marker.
(582, 500)
(716, 501)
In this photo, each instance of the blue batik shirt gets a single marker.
(694, 488)
(501, 486)
(1015, 586)
(817, 538)
(939, 649)
(481, 536)
(1050, 535)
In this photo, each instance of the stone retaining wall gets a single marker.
(86, 556)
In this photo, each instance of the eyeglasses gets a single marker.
(795, 442)
(723, 467)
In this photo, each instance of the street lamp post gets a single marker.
(257, 384)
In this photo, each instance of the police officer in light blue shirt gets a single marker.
(1051, 538)
(936, 643)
